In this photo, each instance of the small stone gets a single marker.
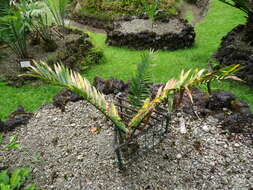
(205, 128)
(179, 156)
(179, 114)
(80, 157)
(237, 145)
(183, 129)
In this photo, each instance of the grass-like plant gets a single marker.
(58, 9)
(73, 81)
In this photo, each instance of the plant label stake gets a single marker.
(25, 64)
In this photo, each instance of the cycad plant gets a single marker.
(73, 81)
(140, 83)
(14, 32)
(58, 9)
(247, 7)
(41, 25)
(15, 26)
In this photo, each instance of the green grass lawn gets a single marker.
(121, 62)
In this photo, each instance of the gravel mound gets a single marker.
(64, 153)
(170, 34)
(139, 25)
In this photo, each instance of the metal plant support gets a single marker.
(146, 136)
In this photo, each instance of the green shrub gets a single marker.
(95, 56)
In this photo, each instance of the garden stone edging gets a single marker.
(234, 114)
(16, 118)
(167, 34)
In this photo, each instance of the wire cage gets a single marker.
(150, 132)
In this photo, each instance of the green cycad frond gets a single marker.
(73, 81)
(186, 80)
(149, 106)
(140, 83)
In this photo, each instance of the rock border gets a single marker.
(150, 39)
(234, 51)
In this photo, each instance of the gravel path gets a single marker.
(65, 154)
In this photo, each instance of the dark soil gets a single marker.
(233, 50)
(86, 26)
(73, 46)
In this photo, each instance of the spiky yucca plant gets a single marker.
(66, 78)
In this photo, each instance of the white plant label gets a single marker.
(25, 64)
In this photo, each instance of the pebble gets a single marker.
(237, 144)
(205, 128)
(183, 129)
(179, 156)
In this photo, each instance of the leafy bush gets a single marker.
(15, 180)
(14, 26)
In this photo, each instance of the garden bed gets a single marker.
(167, 34)
(102, 14)
(233, 50)
(73, 48)
(64, 152)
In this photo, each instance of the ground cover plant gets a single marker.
(121, 62)
(108, 10)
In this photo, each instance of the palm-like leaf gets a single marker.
(13, 31)
(140, 83)
(58, 10)
(66, 78)
(186, 80)
(73, 81)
